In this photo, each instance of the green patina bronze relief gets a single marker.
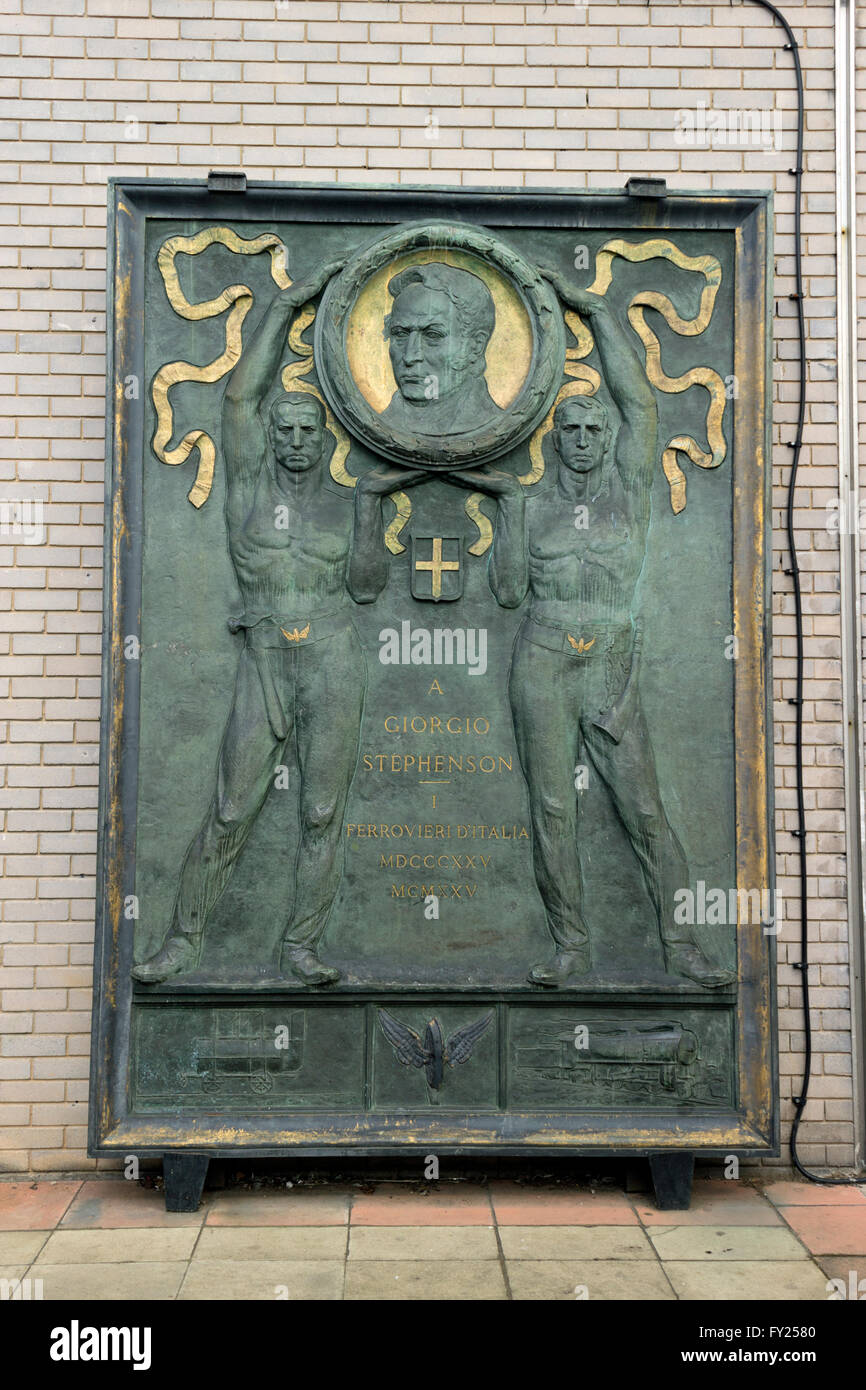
(435, 774)
(454, 296)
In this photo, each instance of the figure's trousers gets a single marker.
(315, 692)
(555, 698)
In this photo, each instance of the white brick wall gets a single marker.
(525, 94)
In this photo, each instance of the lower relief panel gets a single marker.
(582, 1057)
(397, 1056)
(271, 1058)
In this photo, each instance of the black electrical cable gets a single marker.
(794, 571)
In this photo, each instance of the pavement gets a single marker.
(106, 1238)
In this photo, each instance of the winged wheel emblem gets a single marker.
(434, 1052)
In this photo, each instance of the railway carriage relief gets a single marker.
(435, 774)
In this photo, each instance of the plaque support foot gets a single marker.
(184, 1175)
(672, 1180)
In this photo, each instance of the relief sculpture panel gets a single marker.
(442, 740)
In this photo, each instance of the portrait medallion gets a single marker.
(439, 345)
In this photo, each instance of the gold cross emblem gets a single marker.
(436, 565)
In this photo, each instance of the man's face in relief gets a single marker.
(431, 351)
(580, 435)
(296, 434)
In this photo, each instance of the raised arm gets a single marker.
(637, 442)
(367, 572)
(508, 566)
(244, 438)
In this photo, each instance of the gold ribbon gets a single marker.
(472, 507)
(710, 268)
(238, 300)
(586, 381)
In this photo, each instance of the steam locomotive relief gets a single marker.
(605, 1062)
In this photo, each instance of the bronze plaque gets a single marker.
(436, 793)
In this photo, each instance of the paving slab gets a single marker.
(813, 1194)
(119, 1246)
(726, 1243)
(21, 1247)
(760, 1280)
(27, 1206)
(715, 1201)
(144, 1279)
(829, 1230)
(593, 1280)
(851, 1271)
(518, 1205)
(392, 1204)
(423, 1280)
(279, 1281)
(298, 1207)
(114, 1204)
(272, 1243)
(575, 1243)
(423, 1243)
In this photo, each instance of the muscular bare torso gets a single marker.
(289, 550)
(589, 571)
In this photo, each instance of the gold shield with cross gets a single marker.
(436, 571)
